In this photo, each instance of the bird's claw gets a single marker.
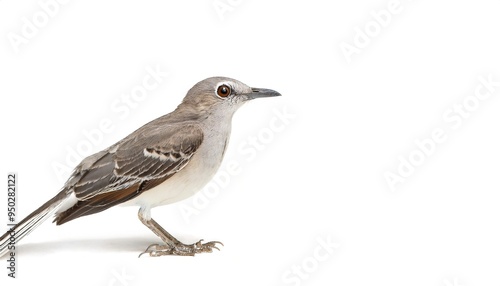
(149, 249)
(181, 249)
(207, 247)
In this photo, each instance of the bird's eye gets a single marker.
(223, 91)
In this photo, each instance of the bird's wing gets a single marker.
(135, 165)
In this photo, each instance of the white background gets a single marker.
(319, 177)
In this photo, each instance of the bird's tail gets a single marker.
(32, 221)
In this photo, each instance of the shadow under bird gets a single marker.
(163, 162)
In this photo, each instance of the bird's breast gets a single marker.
(200, 169)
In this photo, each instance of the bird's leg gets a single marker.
(172, 246)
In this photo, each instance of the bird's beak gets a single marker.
(262, 92)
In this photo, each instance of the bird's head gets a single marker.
(216, 93)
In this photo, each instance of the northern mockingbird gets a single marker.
(164, 161)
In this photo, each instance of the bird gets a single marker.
(164, 161)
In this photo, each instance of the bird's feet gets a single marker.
(181, 249)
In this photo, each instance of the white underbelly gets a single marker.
(191, 179)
